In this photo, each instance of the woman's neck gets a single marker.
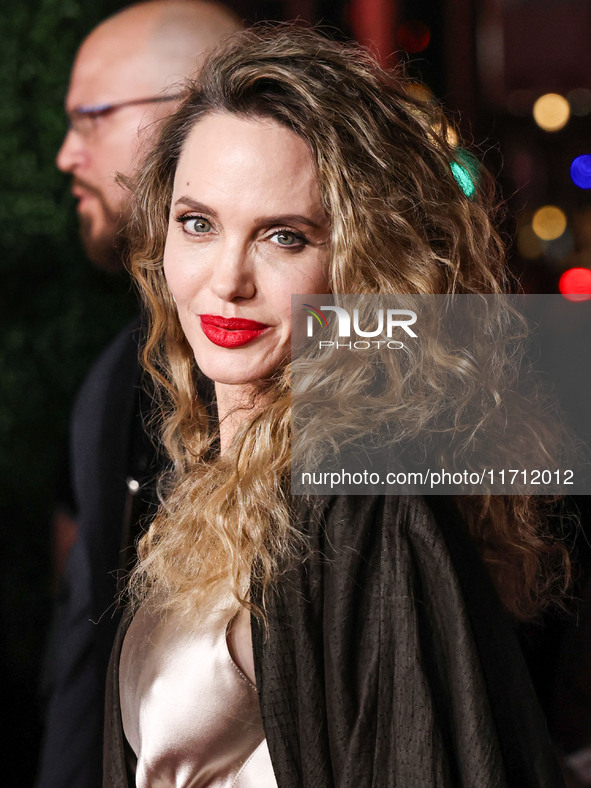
(236, 405)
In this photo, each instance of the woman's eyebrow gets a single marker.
(200, 207)
(288, 218)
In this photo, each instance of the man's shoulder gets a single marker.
(117, 366)
(122, 350)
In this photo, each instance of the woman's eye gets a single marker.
(195, 225)
(286, 238)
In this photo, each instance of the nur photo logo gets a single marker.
(386, 322)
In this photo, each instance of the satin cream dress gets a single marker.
(190, 715)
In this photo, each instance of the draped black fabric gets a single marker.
(387, 660)
(390, 662)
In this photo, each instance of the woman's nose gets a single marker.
(232, 276)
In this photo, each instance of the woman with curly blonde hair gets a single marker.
(380, 651)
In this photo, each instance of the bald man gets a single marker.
(127, 76)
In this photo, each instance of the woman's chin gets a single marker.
(231, 370)
(233, 377)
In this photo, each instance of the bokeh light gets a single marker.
(420, 92)
(575, 284)
(413, 36)
(549, 222)
(465, 171)
(557, 250)
(580, 171)
(451, 137)
(551, 112)
(463, 178)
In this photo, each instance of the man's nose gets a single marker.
(232, 275)
(73, 152)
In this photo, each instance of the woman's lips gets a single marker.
(230, 331)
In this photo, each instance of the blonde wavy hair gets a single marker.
(399, 224)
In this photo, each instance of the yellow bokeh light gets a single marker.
(551, 112)
(451, 137)
(549, 222)
(420, 91)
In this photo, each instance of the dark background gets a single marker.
(487, 60)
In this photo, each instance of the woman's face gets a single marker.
(246, 230)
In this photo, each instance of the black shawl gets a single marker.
(387, 661)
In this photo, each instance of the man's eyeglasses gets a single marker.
(84, 120)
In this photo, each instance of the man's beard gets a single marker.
(108, 249)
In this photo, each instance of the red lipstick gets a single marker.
(230, 331)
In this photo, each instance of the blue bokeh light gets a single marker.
(580, 171)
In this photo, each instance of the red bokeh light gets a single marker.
(575, 284)
(413, 36)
